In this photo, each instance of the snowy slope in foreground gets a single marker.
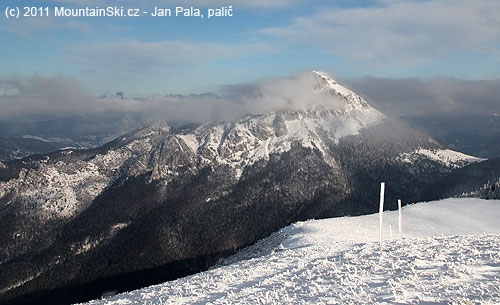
(449, 255)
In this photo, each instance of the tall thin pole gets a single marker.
(400, 222)
(381, 211)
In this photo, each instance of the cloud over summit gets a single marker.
(38, 96)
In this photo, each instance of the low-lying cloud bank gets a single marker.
(39, 97)
(417, 97)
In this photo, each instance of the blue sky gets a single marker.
(351, 39)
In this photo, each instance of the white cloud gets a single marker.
(274, 94)
(399, 31)
(131, 56)
(39, 96)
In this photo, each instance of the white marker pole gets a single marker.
(400, 222)
(381, 211)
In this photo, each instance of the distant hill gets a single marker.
(16, 148)
(473, 134)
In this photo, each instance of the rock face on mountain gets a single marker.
(160, 202)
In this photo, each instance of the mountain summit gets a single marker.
(327, 85)
(162, 202)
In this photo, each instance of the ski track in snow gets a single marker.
(339, 261)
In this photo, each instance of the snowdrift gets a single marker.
(449, 254)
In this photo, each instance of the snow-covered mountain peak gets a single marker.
(327, 85)
(325, 76)
(243, 141)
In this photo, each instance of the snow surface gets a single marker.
(450, 157)
(447, 157)
(448, 255)
(190, 140)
